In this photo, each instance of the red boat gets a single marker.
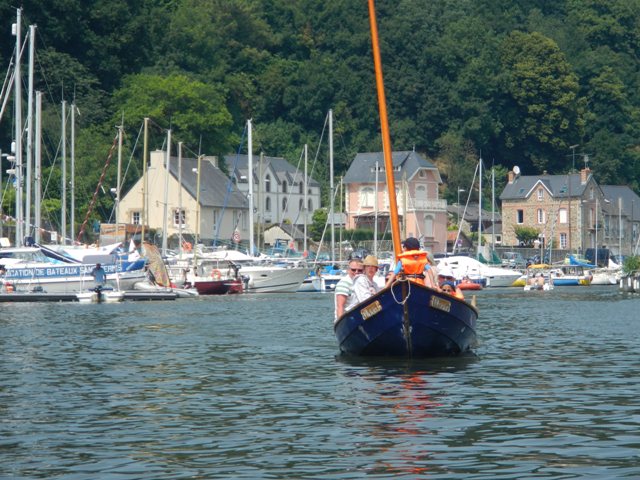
(215, 277)
(466, 284)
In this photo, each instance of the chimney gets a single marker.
(585, 173)
(511, 176)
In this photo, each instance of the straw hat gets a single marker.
(370, 261)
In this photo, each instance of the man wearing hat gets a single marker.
(365, 286)
(414, 264)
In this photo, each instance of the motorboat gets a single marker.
(462, 266)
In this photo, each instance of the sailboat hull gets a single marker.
(426, 324)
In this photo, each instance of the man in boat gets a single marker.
(414, 265)
(99, 276)
(344, 298)
(364, 286)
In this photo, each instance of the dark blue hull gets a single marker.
(427, 324)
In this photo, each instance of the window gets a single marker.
(428, 226)
(520, 216)
(301, 188)
(366, 197)
(421, 194)
(267, 183)
(562, 216)
(267, 204)
(310, 205)
(135, 218)
(284, 186)
(540, 194)
(301, 205)
(284, 204)
(563, 240)
(179, 217)
(540, 215)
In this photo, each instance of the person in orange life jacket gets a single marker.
(415, 265)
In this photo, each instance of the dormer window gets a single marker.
(540, 194)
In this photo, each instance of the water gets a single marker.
(252, 387)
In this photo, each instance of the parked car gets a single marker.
(513, 260)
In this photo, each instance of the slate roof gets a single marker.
(556, 185)
(214, 184)
(362, 169)
(630, 201)
(238, 165)
(289, 229)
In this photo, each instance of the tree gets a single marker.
(526, 235)
(541, 109)
(195, 111)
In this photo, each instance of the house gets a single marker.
(221, 212)
(571, 210)
(278, 189)
(421, 212)
(286, 235)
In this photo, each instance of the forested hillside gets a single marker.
(516, 81)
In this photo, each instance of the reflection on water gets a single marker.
(253, 387)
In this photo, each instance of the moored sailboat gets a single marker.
(406, 319)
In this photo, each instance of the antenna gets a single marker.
(516, 170)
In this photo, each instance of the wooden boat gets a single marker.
(405, 319)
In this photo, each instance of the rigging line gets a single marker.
(290, 192)
(324, 127)
(464, 212)
(227, 193)
(95, 193)
(126, 170)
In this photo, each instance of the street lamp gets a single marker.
(460, 190)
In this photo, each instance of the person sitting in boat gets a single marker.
(414, 265)
(540, 280)
(363, 285)
(344, 298)
(99, 276)
(447, 283)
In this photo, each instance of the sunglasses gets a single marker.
(357, 270)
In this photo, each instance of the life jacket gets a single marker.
(413, 264)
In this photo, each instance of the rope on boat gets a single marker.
(397, 281)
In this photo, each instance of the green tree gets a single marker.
(526, 235)
(195, 111)
(541, 108)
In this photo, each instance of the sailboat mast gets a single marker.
(145, 186)
(166, 196)
(119, 177)
(17, 84)
(331, 187)
(63, 213)
(180, 215)
(27, 213)
(384, 124)
(250, 178)
(72, 185)
(480, 207)
(306, 209)
(37, 167)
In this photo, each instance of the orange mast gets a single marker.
(384, 124)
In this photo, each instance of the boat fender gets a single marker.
(216, 274)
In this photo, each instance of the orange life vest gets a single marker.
(413, 263)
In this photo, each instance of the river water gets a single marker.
(252, 386)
